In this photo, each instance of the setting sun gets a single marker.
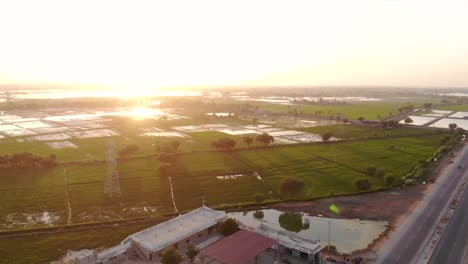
(148, 44)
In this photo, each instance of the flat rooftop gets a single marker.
(176, 229)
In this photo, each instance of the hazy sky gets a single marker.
(141, 44)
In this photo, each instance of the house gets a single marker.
(197, 227)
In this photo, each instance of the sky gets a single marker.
(163, 44)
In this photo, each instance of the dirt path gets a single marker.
(172, 195)
(388, 205)
(67, 192)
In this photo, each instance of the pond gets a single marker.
(347, 235)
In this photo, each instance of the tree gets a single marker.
(371, 170)
(408, 120)
(225, 144)
(169, 147)
(191, 252)
(248, 141)
(389, 179)
(362, 184)
(326, 136)
(291, 221)
(452, 126)
(379, 173)
(427, 106)
(175, 144)
(228, 227)
(171, 256)
(258, 214)
(258, 197)
(265, 139)
(361, 118)
(291, 186)
(345, 120)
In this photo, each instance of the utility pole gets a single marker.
(329, 223)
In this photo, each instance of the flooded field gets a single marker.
(419, 120)
(347, 235)
(436, 113)
(57, 125)
(163, 134)
(444, 123)
(281, 135)
(459, 115)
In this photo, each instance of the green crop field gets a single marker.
(368, 110)
(459, 107)
(45, 248)
(325, 168)
(346, 131)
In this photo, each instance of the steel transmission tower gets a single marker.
(112, 187)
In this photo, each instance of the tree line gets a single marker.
(27, 160)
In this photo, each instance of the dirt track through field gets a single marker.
(172, 195)
(67, 192)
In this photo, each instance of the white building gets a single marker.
(197, 227)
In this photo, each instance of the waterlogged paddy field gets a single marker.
(39, 198)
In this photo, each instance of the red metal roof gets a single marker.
(238, 248)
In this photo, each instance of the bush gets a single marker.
(225, 144)
(371, 170)
(326, 136)
(258, 214)
(379, 173)
(228, 227)
(171, 256)
(258, 197)
(129, 151)
(389, 179)
(362, 184)
(291, 186)
(265, 139)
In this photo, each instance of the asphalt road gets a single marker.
(453, 246)
(408, 240)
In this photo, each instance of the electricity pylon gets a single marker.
(112, 187)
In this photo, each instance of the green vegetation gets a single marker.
(345, 131)
(225, 144)
(191, 252)
(27, 160)
(324, 169)
(171, 256)
(291, 221)
(389, 179)
(45, 248)
(259, 214)
(258, 197)
(326, 136)
(265, 139)
(367, 110)
(454, 107)
(228, 227)
(362, 184)
(291, 187)
(129, 150)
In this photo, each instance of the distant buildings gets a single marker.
(198, 227)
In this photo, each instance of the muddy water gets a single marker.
(347, 235)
